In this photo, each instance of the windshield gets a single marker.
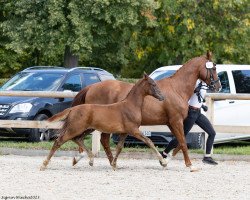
(30, 81)
(158, 75)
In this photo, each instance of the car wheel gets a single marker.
(196, 140)
(39, 134)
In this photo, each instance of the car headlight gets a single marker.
(22, 107)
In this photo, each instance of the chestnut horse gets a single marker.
(122, 118)
(171, 112)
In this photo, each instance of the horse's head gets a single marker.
(209, 74)
(151, 88)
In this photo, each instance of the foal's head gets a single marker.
(208, 73)
(151, 88)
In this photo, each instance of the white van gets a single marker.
(235, 79)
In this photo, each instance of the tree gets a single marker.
(89, 31)
(186, 29)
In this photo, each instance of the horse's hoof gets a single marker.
(163, 163)
(91, 163)
(74, 161)
(194, 169)
(81, 149)
(42, 168)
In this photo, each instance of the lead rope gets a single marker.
(197, 91)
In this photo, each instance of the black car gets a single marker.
(42, 78)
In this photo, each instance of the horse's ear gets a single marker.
(209, 55)
(145, 75)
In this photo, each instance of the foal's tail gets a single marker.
(80, 97)
(60, 116)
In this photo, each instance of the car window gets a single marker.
(105, 77)
(73, 83)
(242, 81)
(33, 81)
(158, 75)
(90, 78)
(224, 82)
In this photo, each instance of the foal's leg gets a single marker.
(105, 141)
(137, 133)
(58, 142)
(118, 149)
(80, 142)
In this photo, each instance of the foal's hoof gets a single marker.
(74, 161)
(42, 168)
(91, 163)
(114, 167)
(194, 169)
(163, 163)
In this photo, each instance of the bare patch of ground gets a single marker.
(135, 179)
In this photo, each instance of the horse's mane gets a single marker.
(196, 59)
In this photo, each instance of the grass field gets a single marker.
(233, 148)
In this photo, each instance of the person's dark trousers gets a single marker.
(195, 116)
(188, 123)
(203, 122)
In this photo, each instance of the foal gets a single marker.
(122, 118)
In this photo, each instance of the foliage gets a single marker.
(189, 28)
(96, 31)
(125, 37)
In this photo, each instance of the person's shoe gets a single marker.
(209, 160)
(164, 155)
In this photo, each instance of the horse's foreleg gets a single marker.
(147, 141)
(105, 141)
(177, 130)
(118, 149)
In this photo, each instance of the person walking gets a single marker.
(196, 117)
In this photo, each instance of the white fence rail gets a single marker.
(96, 136)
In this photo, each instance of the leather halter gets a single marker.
(212, 82)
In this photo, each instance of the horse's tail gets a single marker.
(80, 97)
(60, 116)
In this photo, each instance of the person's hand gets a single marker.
(204, 107)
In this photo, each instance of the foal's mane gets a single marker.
(134, 87)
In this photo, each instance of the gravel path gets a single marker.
(135, 179)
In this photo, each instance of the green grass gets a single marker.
(233, 148)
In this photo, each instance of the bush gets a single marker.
(3, 80)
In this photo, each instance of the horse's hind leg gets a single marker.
(105, 141)
(176, 150)
(80, 143)
(59, 142)
(118, 149)
(146, 140)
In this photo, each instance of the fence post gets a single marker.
(96, 136)
(210, 116)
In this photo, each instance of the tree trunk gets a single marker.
(70, 60)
